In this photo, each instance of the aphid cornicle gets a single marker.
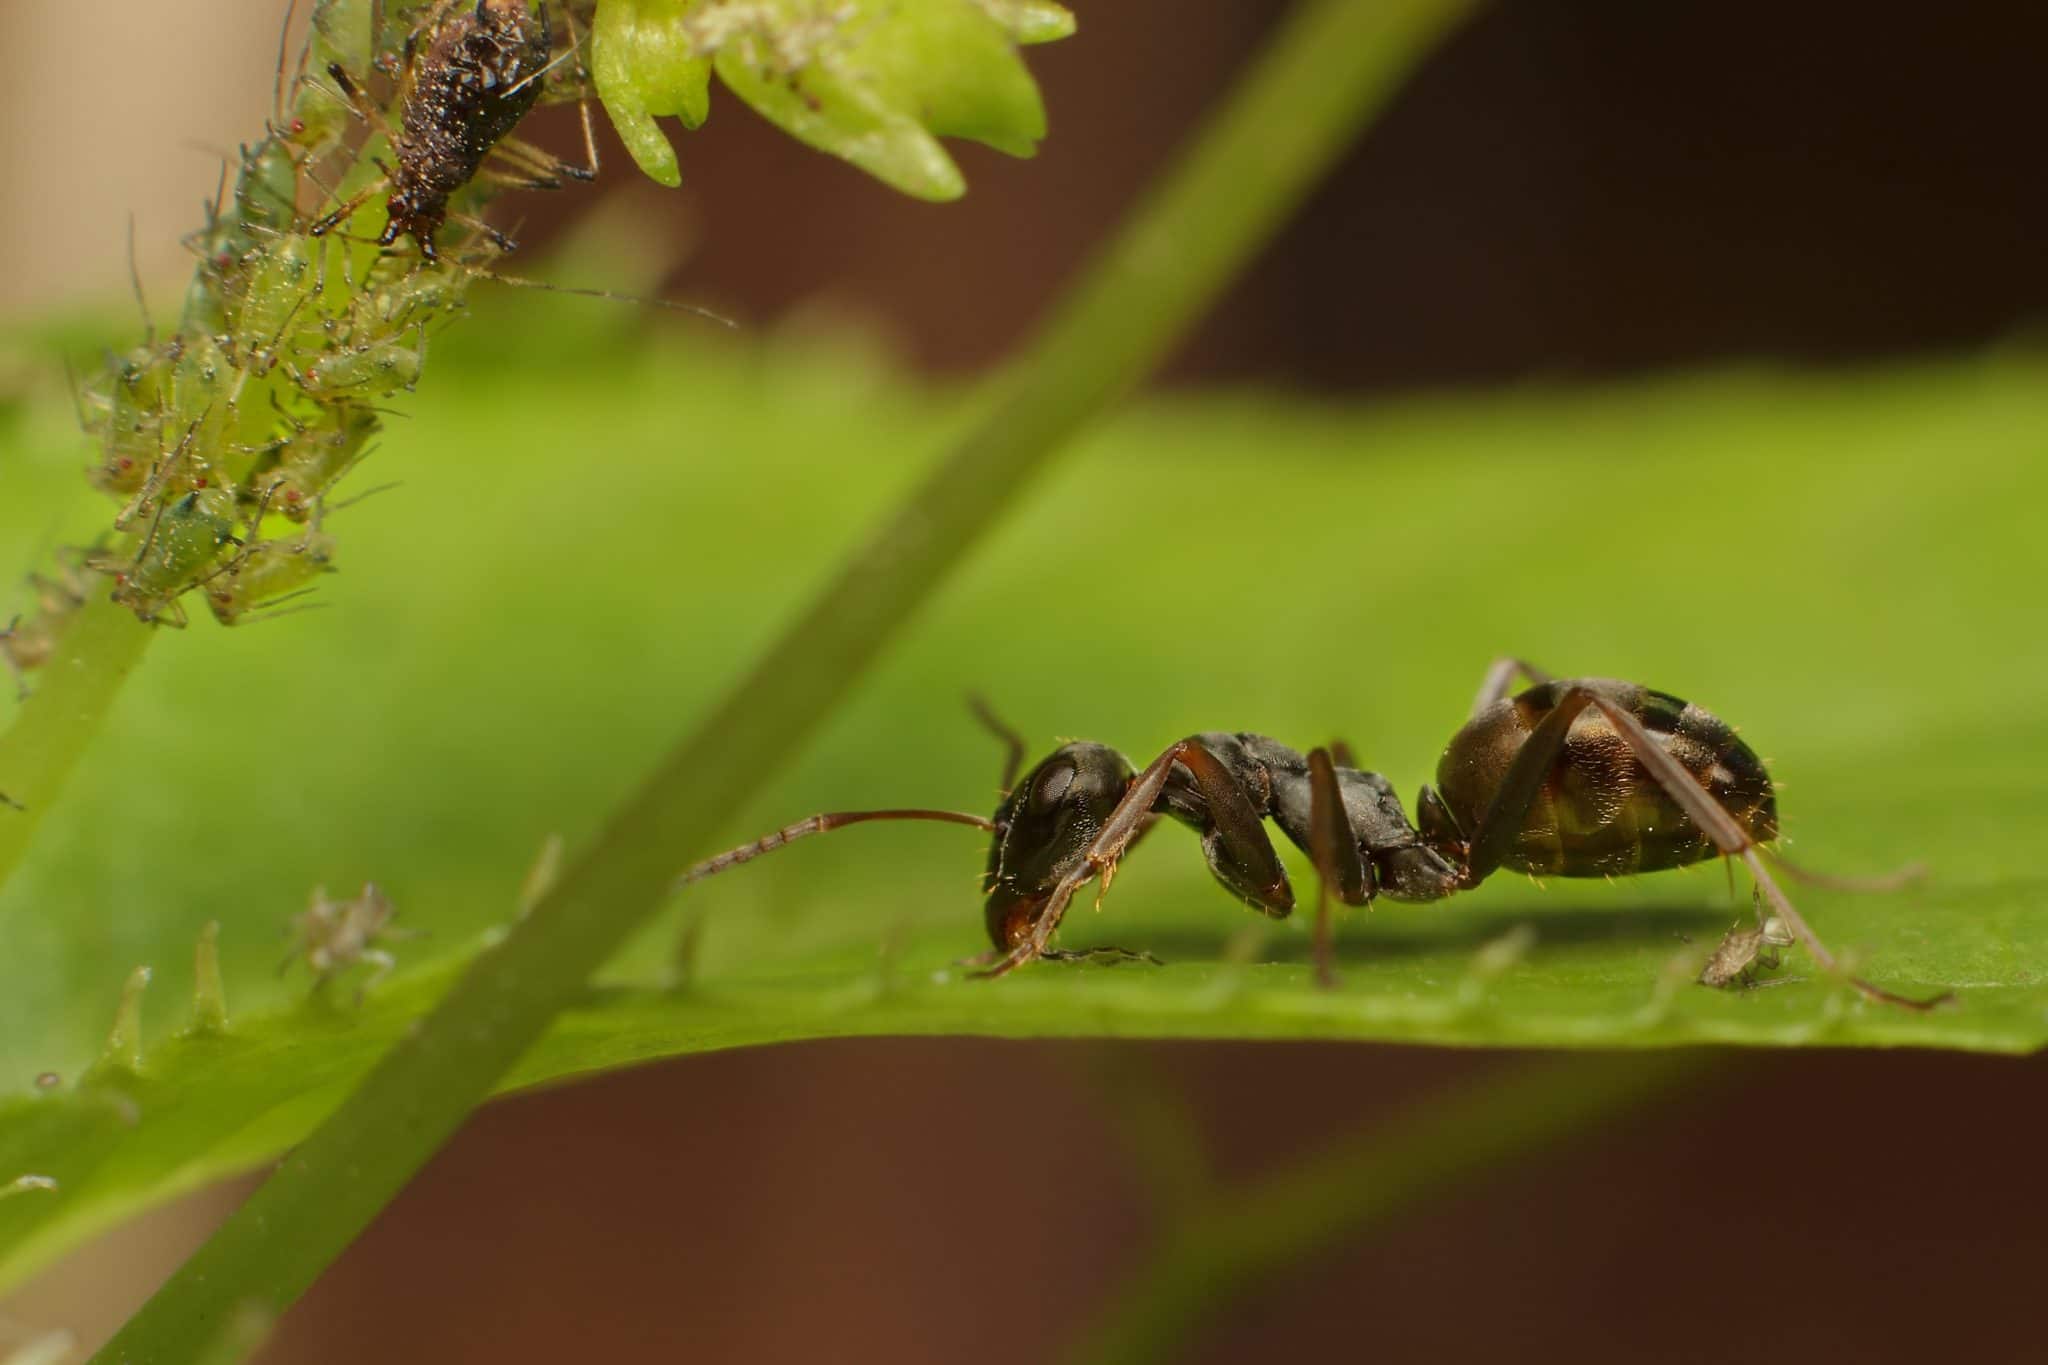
(1574, 777)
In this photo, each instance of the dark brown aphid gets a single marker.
(471, 72)
(1579, 777)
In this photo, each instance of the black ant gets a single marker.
(1575, 777)
(461, 91)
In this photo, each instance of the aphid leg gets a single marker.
(320, 227)
(818, 824)
(1240, 843)
(1721, 827)
(496, 238)
(1013, 757)
(1339, 866)
(10, 802)
(381, 965)
(1500, 677)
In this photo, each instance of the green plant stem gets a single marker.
(1332, 65)
(72, 695)
(1228, 1250)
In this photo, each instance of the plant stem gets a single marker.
(1226, 1252)
(73, 694)
(1333, 63)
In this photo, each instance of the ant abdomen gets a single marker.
(1599, 812)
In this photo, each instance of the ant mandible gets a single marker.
(1574, 777)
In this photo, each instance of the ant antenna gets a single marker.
(820, 824)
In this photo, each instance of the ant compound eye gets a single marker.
(1052, 785)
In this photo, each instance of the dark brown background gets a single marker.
(1584, 187)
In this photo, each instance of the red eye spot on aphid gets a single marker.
(127, 462)
(199, 482)
(291, 495)
(225, 599)
(298, 125)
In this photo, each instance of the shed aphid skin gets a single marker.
(28, 642)
(1574, 777)
(335, 936)
(1745, 949)
(472, 70)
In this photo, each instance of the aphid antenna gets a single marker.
(135, 280)
(519, 85)
(276, 608)
(321, 507)
(76, 389)
(284, 42)
(670, 304)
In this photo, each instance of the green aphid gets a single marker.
(313, 458)
(270, 573)
(371, 369)
(181, 547)
(275, 287)
(266, 206)
(126, 412)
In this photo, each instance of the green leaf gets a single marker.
(1773, 548)
(877, 83)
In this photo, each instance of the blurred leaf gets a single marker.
(646, 65)
(877, 84)
(1844, 566)
(1031, 21)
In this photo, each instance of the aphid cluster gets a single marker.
(224, 439)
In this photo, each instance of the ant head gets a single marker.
(1046, 825)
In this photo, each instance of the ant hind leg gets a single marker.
(1500, 677)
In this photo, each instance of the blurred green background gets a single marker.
(601, 514)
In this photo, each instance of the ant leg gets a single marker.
(1013, 758)
(1111, 955)
(1890, 881)
(1339, 865)
(1235, 823)
(1501, 676)
(818, 824)
(1729, 837)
